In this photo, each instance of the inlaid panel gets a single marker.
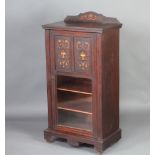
(83, 54)
(63, 52)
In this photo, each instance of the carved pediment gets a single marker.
(91, 17)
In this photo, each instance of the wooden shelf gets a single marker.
(75, 85)
(82, 105)
(76, 88)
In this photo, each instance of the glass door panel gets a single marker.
(74, 120)
(74, 102)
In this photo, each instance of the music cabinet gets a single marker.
(82, 55)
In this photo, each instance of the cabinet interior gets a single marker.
(74, 102)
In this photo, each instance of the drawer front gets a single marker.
(83, 54)
(63, 52)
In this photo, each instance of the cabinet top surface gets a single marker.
(89, 21)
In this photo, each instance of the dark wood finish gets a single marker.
(82, 55)
(91, 17)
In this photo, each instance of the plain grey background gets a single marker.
(26, 103)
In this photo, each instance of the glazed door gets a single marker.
(74, 102)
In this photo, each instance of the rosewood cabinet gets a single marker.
(82, 55)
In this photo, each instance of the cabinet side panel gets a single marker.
(98, 91)
(110, 47)
(48, 74)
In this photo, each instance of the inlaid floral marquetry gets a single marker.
(89, 16)
(63, 52)
(82, 55)
(82, 47)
